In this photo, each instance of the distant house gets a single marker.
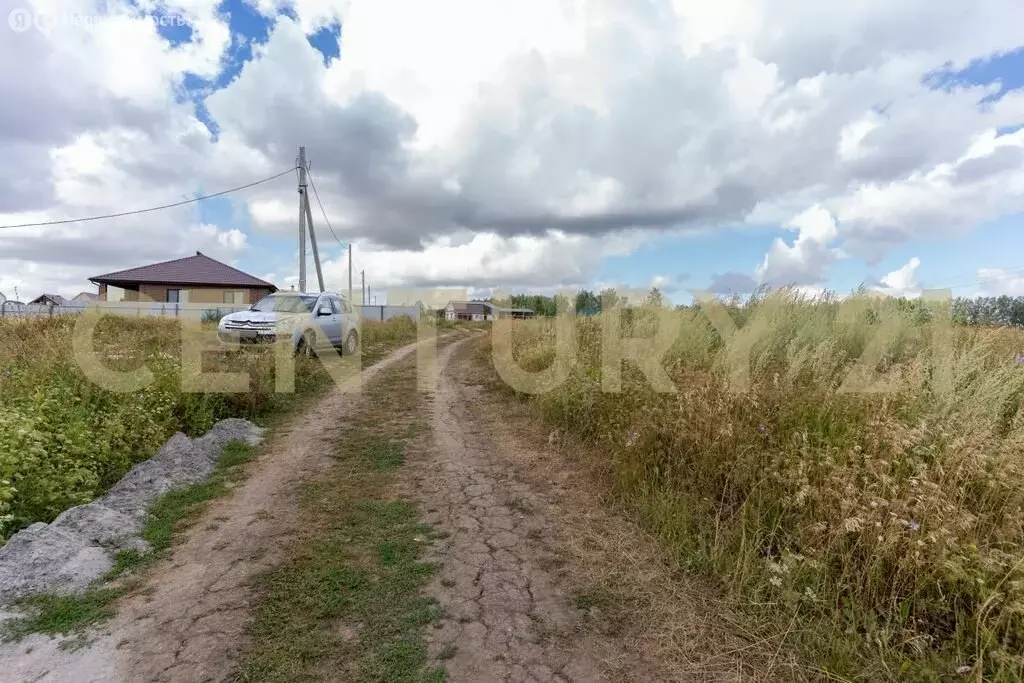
(85, 298)
(2, 298)
(50, 300)
(482, 311)
(195, 279)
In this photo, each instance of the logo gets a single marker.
(20, 20)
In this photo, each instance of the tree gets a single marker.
(587, 303)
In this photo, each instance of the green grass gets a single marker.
(349, 603)
(167, 515)
(62, 614)
(175, 508)
(71, 440)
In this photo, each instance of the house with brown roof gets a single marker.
(196, 279)
(49, 300)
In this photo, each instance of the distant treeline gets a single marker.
(993, 310)
(585, 302)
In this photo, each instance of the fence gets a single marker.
(136, 309)
(389, 312)
(131, 309)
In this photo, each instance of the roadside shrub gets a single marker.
(65, 440)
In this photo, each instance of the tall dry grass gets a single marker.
(880, 532)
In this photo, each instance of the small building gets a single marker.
(195, 279)
(85, 298)
(482, 311)
(469, 310)
(49, 300)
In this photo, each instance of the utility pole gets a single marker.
(312, 243)
(362, 275)
(306, 217)
(350, 272)
(302, 219)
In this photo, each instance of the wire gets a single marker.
(1007, 275)
(324, 212)
(155, 208)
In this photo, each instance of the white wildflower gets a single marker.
(775, 581)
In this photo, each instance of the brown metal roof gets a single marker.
(192, 270)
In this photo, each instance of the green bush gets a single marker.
(64, 440)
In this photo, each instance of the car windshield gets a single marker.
(285, 303)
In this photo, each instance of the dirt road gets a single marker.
(187, 625)
(539, 579)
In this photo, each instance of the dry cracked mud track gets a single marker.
(524, 576)
(496, 590)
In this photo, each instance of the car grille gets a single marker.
(248, 325)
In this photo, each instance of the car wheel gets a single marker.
(307, 344)
(352, 343)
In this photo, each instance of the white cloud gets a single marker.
(550, 128)
(487, 260)
(660, 282)
(804, 262)
(998, 281)
(902, 282)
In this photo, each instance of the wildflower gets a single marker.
(809, 594)
(761, 428)
(1020, 359)
(775, 581)
(631, 439)
(914, 526)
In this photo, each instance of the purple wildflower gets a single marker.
(914, 526)
(761, 428)
(1020, 359)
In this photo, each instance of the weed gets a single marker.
(62, 614)
(349, 603)
(885, 522)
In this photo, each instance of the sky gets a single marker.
(533, 145)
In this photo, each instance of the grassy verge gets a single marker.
(168, 515)
(176, 510)
(348, 604)
(64, 440)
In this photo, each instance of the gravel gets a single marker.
(77, 548)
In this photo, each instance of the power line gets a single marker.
(155, 208)
(1007, 275)
(322, 210)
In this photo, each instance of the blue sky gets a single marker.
(438, 150)
(689, 260)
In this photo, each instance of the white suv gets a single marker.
(309, 320)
